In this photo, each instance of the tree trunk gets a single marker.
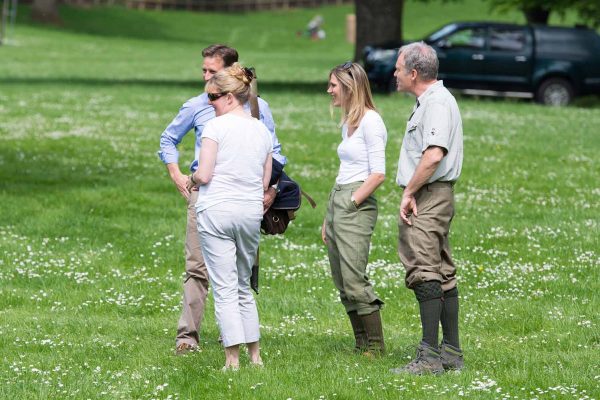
(377, 22)
(45, 11)
(536, 15)
(3, 19)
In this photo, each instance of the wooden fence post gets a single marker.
(351, 28)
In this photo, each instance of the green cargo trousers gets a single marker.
(348, 231)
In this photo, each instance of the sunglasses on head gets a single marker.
(215, 96)
(346, 67)
(249, 72)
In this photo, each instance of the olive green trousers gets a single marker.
(348, 231)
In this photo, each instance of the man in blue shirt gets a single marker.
(195, 113)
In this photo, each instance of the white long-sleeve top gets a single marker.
(363, 153)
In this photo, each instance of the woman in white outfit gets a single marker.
(352, 208)
(233, 174)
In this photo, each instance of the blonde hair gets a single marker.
(355, 92)
(235, 80)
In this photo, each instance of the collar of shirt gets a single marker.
(204, 98)
(417, 104)
(430, 91)
(422, 99)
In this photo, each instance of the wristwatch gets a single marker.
(276, 188)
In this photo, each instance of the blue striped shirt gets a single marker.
(195, 113)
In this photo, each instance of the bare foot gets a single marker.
(230, 368)
(257, 362)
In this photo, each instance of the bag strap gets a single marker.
(313, 204)
(253, 100)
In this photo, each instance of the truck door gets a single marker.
(508, 60)
(461, 57)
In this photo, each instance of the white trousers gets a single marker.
(229, 234)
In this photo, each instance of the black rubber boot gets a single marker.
(360, 334)
(374, 328)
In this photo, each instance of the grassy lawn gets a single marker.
(91, 228)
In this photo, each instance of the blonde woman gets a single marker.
(352, 208)
(233, 175)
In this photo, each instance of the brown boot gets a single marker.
(360, 334)
(372, 324)
(452, 357)
(428, 361)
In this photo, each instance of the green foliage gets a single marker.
(587, 10)
(91, 229)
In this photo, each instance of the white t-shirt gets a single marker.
(242, 148)
(363, 153)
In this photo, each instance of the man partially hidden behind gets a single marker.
(430, 163)
(194, 114)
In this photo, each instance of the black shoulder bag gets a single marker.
(283, 210)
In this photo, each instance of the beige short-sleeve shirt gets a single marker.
(435, 121)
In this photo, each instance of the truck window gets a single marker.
(507, 39)
(473, 38)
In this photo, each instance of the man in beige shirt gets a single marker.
(429, 165)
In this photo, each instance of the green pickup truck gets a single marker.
(550, 64)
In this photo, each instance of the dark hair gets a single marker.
(229, 55)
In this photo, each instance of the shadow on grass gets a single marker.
(267, 86)
(590, 101)
(54, 196)
(115, 22)
(55, 166)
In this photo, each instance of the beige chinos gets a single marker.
(348, 231)
(195, 284)
(423, 247)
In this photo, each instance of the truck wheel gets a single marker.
(555, 92)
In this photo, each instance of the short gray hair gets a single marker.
(422, 58)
